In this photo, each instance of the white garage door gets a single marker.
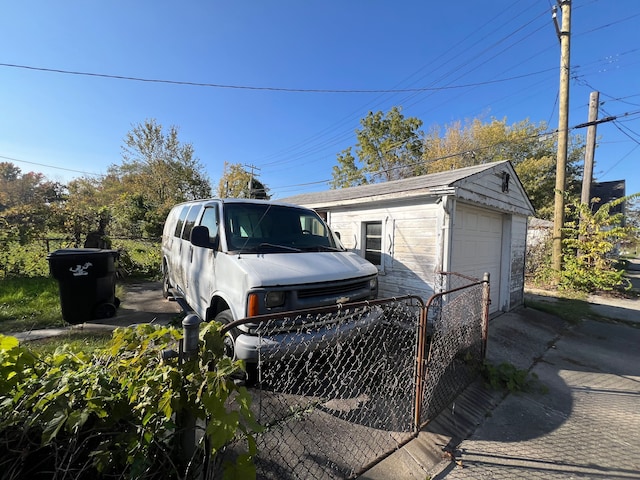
(477, 246)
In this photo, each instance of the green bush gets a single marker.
(507, 377)
(28, 260)
(590, 248)
(117, 413)
(138, 258)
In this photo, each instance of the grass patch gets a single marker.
(75, 340)
(506, 377)
(29, 303)
(571, 310)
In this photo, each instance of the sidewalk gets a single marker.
(581, 421)
(143, 303)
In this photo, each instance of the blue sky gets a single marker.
(495, 58)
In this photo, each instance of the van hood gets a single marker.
(276, 269)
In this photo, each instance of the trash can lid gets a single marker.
(81, 251)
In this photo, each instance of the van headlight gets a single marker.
(274, 299)
(373, 283)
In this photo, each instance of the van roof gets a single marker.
(243, 200)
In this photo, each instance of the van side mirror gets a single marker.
(200, 238)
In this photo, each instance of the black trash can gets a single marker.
(87, 281)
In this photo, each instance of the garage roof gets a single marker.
(451, 182)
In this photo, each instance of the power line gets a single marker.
(622, 158)
(396, 145)
(293, 156)
(273, 89)
(607, 25)
(310, 149)
(50, 166)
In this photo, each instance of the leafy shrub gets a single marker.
(118, 413)
(538, 268)
(28, 260)
(507, 377)
(590, 249)
(139, 258)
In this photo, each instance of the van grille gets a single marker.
(333, 290)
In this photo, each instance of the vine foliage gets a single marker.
(119, 413)
(590, 247)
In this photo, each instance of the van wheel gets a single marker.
(225, 317)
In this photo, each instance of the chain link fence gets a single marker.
(337, 392)
(344, 387)
(456, 335)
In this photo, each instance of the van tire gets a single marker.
(225, 317)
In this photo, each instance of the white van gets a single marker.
(233, 258)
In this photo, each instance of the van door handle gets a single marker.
(191, 254)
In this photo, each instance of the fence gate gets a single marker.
(455, 339)
(334, 408)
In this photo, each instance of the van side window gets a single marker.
(210, 220)
(311, 225)
(190, 222)
(180, 222)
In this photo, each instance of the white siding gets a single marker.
(423, 232)
(410, 244)
(486, 189)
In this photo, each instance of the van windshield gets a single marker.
(274, 228)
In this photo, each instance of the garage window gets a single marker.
(373, 242)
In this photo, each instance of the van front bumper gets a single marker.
(266, 348)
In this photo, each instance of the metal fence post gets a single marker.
(420, 364)
(189, 351)
(486, 301)
(190, 335)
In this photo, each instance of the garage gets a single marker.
(470, 221)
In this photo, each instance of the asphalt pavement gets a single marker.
(580, 417)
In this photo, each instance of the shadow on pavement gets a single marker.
(584, 424)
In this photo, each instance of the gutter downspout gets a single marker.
(448, 219)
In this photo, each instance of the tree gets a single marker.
(236, 182)
(389, 147)
(528, 146)
(27, 202)
(87, 205)
(347, 173)
(157, 171)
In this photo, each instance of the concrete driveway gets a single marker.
(579, 420)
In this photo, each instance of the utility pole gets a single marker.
(564, 36)
(587, 175)
(252, 167)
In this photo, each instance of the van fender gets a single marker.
(218, 304)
